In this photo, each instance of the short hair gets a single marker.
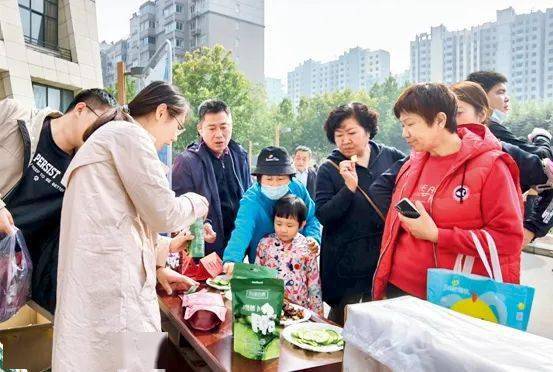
(473, 94)
(487, 79)
(427, 100)
(94, 98)
(367, 118)
(303, 149)
(212, 106)
(290, 206)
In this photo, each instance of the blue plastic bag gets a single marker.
(15, 274)
(479, 296)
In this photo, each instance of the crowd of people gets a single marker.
(92, 199)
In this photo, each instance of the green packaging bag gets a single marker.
(246, 271)
(197, 245)
(256, 309)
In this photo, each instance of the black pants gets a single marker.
(393, 292)
(337, 311)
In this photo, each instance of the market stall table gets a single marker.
(215, 347)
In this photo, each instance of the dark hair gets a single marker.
(473, 94)
(94, 98)
(487, 79)
(145, 102)
(427, 100)
(303, 149)
(367, 118)
(212, 106)
(258, 177)
(290, 206)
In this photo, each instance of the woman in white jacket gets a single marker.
(117, 201)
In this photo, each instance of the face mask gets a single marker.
(274, 192)
(498, 116)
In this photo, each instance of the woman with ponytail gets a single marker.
(117, 202)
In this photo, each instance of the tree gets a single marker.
(130, 86)
(211, 73)
(526, 116)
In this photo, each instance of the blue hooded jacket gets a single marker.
(255, 220)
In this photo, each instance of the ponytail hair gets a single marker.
(145, 102)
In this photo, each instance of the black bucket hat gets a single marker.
(273, 161)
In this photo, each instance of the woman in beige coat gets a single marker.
(117, 201)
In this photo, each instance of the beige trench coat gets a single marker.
(117, 200)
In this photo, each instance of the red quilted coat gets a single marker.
(492, 202)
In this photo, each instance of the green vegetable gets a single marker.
(318, 337)
(221, 282)
(256, 308)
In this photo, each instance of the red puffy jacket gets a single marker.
(493, 203)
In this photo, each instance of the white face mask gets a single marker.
(498, 116)
(274, 192)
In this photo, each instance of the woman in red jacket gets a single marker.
(460, 181)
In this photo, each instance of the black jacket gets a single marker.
(531, 173)
(541, 145)
(193, 172)
(311, 182)
(352, 230)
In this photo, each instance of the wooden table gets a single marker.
(215, 347)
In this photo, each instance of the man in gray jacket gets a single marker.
(36, 147)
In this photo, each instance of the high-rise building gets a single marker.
(238, 25)
(48, 51)
(518, 46)
(275, 90)
(110, 54)
(356, 69)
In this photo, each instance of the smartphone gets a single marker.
(407, 208)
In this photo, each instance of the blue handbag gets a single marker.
(487, 298)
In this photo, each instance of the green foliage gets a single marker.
(130, 85)
(525, 116)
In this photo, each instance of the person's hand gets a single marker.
(180, 242)
(313, 246)
(536, 132)
(6, 221)
(422, 227)
(528, 236)
(199, 204)
(349, 174)
(228, 268)
(171, 280)
(209, 235)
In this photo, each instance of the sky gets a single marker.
(296, 30)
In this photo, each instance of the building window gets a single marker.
(180, 26)
(149, 40)
(179, 43)
(39, 19)
(179, 8)
(47, 96)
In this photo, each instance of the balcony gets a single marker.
(49, 48)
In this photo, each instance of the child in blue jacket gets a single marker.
(274, 172)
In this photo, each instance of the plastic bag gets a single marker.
(15, 274)
(409, 334)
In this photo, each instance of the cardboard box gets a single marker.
(27, 339)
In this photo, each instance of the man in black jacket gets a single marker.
(495, 85)
(305, 173)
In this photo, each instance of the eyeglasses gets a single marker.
(181, 125)
(90, 108)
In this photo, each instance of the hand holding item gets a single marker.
(422, 227)
(228, 268)
(171, 281)
(209, 234)
(180, 242)
(6, 222)
(313, 246)
(349, 174)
